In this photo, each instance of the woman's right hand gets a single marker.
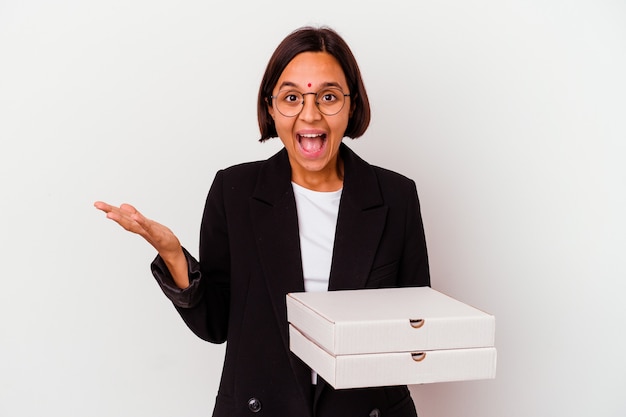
(160, 237)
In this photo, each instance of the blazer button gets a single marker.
(375, 413)
(254, 405)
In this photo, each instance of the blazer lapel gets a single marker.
(275, 223)
(360, 224)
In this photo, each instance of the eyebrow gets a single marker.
(326, 84)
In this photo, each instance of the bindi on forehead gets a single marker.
(309, 84)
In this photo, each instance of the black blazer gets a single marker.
(250, 259)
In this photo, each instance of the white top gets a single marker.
(317, 221)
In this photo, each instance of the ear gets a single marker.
(270, 109)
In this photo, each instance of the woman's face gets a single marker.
(311, 138)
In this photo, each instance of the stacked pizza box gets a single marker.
(391, 336)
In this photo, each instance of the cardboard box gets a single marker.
(392, 336)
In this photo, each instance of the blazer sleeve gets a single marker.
(204, 305)
(184, 298)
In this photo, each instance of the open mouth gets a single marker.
(312, 143)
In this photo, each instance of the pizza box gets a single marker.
(394, 368)
(392, 336)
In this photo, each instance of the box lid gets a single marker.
(388, 320)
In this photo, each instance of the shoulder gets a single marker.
(266, 180)
(245, 170)
(392, 177)
(251, 171)
(387, 179)
(396, 189)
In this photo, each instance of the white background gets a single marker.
(509, 115)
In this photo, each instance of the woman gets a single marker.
(313, 217)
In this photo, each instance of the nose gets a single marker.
(310, 112)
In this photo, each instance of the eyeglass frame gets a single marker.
(317, 104)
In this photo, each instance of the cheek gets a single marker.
(283, 127)
(340, 125)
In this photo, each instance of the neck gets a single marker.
(327, 180)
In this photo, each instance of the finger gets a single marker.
(127, 208)
(101, 205)
(117, 213)
(126, 216)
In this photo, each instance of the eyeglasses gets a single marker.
(329, 101)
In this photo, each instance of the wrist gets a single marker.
(176, 263)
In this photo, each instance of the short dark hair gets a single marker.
(312, 39)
